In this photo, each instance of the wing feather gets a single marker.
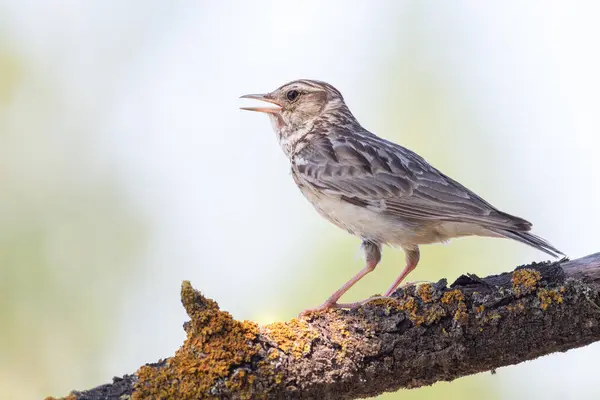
(365, 169)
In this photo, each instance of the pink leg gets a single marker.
(373, 256)
(412, 259)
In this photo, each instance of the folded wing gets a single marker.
(367, 170)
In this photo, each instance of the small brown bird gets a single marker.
(373, 188)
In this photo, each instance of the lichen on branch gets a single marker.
(421, 335)
(215, 344)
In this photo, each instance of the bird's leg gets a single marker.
(412, 259)
(372, 253)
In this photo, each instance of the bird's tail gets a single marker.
(531, 240)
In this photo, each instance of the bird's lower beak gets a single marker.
(262, 97)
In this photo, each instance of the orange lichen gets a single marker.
(457, 298)
(240, 380)
(425, 292)
(340, 335)
(426, 314)
(479, 309)
(273, 355)
(71, 396)
(453, 296)
(461, 315)
(294, 337)
(524, 281)
(547, 297)
(383, 302)
(215, 345)
(409, 305)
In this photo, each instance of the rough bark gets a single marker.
(422, 335)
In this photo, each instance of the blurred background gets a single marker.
(126, 166)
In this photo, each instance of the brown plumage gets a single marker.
(373, 188)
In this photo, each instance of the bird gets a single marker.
(373, 188)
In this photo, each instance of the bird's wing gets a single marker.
(368, 171)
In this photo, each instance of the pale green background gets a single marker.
(126, 166)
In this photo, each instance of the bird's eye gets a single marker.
(292, 95)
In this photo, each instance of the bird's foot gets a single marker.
(330, 305)
(349, 306)
(357, 304)
(404, 287)
(365, 301)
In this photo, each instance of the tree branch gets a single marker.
(422, 335)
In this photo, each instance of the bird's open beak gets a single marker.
(262, 97)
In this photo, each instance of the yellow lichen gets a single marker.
(479, 309)
(434, 314)
(273, 355)
(215, 345)
(453, 296)
(294, 337)
(239, 381)
(71, 396)
(341, 336)
(490, 317)
(547, 297)
(461, 315)
(456, 297)
(427, 314)
(425, 292)
(524, 281)
(278, 378)
(384, 302)
(409, 305)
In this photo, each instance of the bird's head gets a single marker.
(299, 106)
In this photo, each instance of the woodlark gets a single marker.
(373, 188)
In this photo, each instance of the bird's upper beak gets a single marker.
(262, 97)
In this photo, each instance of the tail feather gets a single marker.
(531, 240)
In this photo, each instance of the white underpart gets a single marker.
(372, 224)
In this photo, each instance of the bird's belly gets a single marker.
(369, 224)
(386, 229)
